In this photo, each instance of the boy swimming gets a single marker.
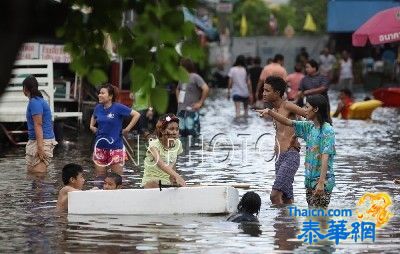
(345, 101)
(72, 177)
(248, 206)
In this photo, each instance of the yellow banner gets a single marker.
(309, 24)
(243, 26)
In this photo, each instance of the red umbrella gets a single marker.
(383, 27)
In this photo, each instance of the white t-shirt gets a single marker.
(238, 75)
(346, 69)
(326, 63)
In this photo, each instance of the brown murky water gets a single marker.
(368, 159)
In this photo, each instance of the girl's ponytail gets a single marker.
(31, 84)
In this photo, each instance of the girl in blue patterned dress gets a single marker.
(320, 148)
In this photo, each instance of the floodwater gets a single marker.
(368, 160)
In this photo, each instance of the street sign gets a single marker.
(224, 7)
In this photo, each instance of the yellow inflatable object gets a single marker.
(363, 110)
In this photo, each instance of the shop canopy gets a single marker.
(346, 16)
(383, 27)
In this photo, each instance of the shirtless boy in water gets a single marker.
(72, 176)
(286, 147)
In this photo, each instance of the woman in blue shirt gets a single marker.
(39, 149)
(109, 115)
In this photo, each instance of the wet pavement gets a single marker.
(368, 160)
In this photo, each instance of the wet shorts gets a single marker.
(238, 98)
(107, 157)
(321, 201)
(31, 157)
(285, 169)
(189, 123)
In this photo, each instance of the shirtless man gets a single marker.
(273, 69)
(286, 147)
(72, 176)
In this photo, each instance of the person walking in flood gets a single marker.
(319, 135)
(346, 72)
(240, 85)
(293, 81)
(326, 62)
(287, 147)
(190, 96)
(109, 115)
(313, 83)
(254, 75)
(41, 143)
(275, 68)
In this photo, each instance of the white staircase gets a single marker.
(13, 103)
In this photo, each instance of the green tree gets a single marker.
(317, 9)
(257, 15)
(83, 25)
(285, 15)
(151, 42)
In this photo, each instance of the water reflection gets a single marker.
(251, 228)
(286, 230)
(368, 155)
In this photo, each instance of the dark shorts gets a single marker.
(237, 98)
(189, 123)
(321, 201)
(285, 169)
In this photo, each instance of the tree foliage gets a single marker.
(294, 13)
(151, 42)
(285, 15)
(317, 9)
(257, 15)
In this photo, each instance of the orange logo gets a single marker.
(374, 207)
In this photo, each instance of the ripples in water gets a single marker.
(368, 159)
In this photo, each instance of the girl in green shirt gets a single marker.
(162, 153)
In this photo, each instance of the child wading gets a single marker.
(109, 116)
(248, 206)
(320, 151)
(162, 153)
(72, 177)
(345, 101)
(286, 146)
(113, 181)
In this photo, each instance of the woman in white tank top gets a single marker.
(346, 72)
(240, 85)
